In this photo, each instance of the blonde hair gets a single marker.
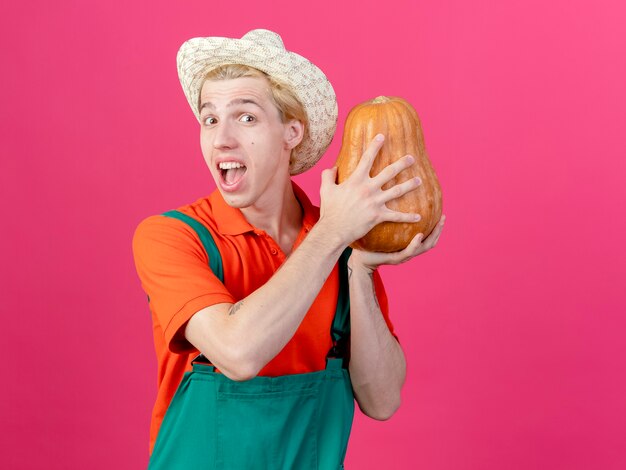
(288, 105)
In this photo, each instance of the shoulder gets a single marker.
(311, 211)
(166, 229)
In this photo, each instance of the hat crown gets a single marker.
(264, 37)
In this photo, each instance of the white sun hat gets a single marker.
(264, 50)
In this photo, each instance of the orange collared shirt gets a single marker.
(174, 272)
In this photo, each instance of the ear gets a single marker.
(294, 132)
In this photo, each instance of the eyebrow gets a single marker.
(238, 101)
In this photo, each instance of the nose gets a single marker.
(224, 136)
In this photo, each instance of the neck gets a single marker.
(280, 218)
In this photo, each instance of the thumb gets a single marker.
(329, 176)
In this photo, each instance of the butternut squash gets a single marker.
(396, 119)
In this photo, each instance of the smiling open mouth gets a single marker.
(231, 172)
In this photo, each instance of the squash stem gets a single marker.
(380, 99)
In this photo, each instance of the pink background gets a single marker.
(513, 326)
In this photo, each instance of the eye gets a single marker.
(209, 120)
(247, 118)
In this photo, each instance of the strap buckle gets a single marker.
(201, 359)
(338, 350)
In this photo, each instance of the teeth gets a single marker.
(230, 165)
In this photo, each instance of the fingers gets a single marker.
(397, 216)
(401, 189)
(392, 170)
(329, 176)
(413, 249)
(416, 247)
(368, 157)
(433, 238)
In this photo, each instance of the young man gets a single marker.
(268, 316)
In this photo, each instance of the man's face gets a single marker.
(244, 143)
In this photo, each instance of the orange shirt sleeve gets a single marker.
(174, 271)
(381, 295)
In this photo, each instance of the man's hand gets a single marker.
(351, 209)
(371, 260)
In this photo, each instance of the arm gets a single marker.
(242, 338)
(377, 364)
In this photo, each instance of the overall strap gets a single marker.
(340, 330)
(215, 258)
